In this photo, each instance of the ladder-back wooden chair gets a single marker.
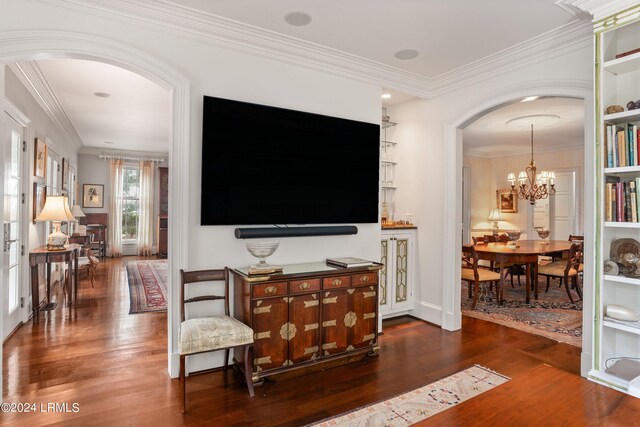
(214, 332)
(473, 275)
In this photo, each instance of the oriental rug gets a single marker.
(416, 405)
(552, 315)
(147, 286)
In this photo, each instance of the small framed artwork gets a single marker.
(507, 201)
(65, 174)
(93, 196)
(40, 159)
(39, 199)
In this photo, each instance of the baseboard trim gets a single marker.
(428, 312)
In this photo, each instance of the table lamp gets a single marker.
(77, 213)
(56, 209)
(495, 217)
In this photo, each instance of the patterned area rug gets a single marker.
(416, 405)
(552, 315)
(147, 286)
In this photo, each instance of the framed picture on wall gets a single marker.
(65, 174)
(93, 196)
(506, 201)
(40, 159)
(39, 199)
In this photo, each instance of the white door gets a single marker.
(564, 206)
(12, 237)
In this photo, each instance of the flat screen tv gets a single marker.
(267, 165)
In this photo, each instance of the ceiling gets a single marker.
(136, 115)
(447, 34)
(489, 136)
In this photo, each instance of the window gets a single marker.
(130, 203)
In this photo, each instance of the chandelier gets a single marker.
(532, 186)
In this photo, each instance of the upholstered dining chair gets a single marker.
(566, 269)
(87, 264)
(214, 332)
(474, 276)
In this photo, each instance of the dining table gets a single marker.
(523, 252)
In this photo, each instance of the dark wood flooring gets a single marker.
(114, 367)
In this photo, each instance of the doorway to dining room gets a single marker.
(492, 149)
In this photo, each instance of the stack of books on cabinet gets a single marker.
(618, 182)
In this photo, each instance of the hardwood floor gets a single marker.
(114, 367)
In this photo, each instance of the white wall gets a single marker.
(229, 74)
(422, 185)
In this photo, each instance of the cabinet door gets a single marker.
(304, 325)
(337, 320)
(403, 265)
(364, 307)
(386, 277)
(271, 332)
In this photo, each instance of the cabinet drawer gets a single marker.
(361, 279)
(269, 289)
(305, 285)
(336, 282)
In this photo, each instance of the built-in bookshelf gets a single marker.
(388, 165)
(618, 180)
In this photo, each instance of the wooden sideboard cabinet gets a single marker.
(308, 314)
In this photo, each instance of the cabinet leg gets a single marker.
(374, 351)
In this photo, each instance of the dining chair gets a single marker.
(474, 276)
(213, 332)
(566, 269)
(514, 269)
(88, 263)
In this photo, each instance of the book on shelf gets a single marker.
(621, 145)
(349, 262)
(633, 201)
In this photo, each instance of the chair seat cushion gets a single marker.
(212, 333)
(556, 269)
(83, 261)
(484, 275)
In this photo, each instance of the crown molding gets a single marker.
(165, 16)
(521, 152)
(34, 81)
(570, 7)
(97, 151)
(599, 9)
(203, 27)
(554, 43)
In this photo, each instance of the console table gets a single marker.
(308, 314)
(43, 256)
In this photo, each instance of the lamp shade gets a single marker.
(495, 215)
(77, 212)
(56, 208)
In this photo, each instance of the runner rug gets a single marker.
(416, 405)
(552, 315)
(147, 286)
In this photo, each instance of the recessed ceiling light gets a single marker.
(102, 94)
(530, 98)
(544, 120)
(407, 54)
(108, 142)
(298, 19)
(386, 95)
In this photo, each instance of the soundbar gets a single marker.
(260, 232)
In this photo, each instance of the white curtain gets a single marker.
(116, 170)
(145, 220)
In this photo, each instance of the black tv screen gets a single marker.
(268, 165)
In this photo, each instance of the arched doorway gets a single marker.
(451, 314)
(30, 45)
